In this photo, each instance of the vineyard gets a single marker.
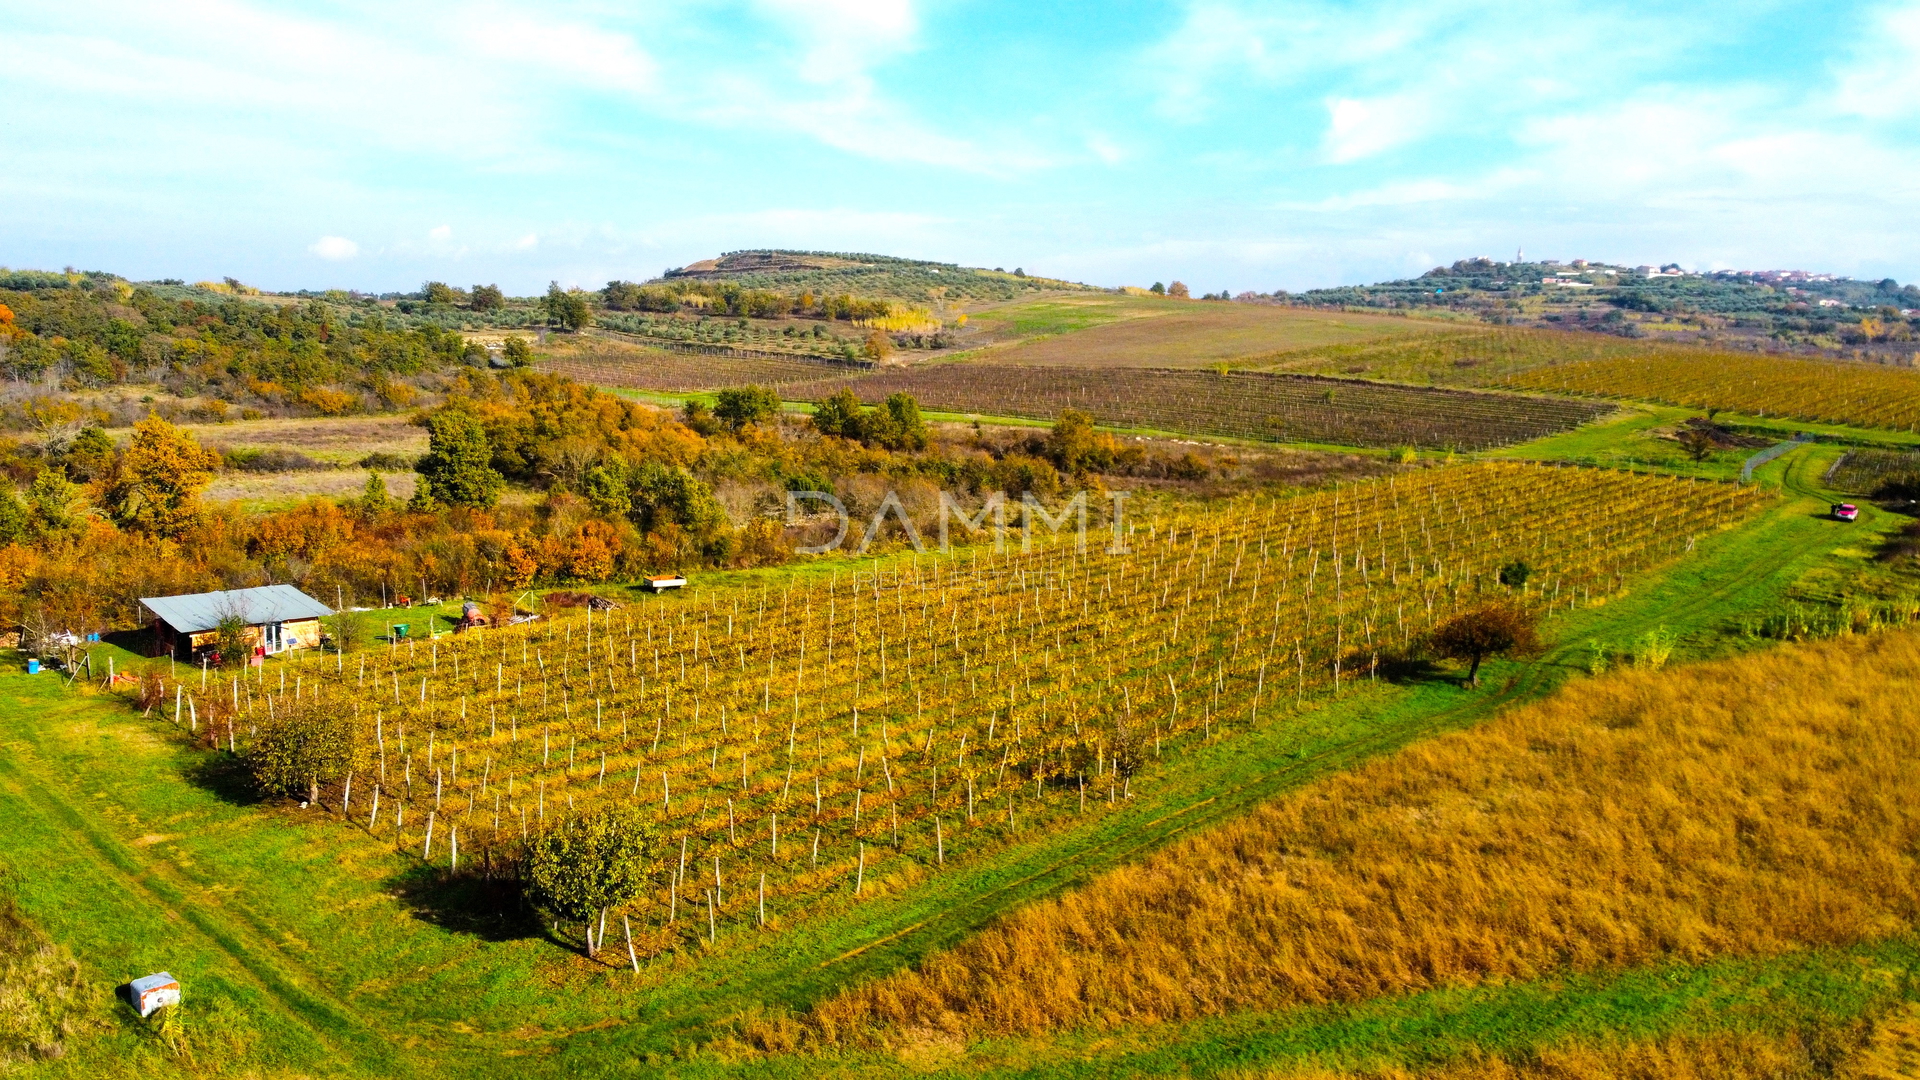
(680, 372)
(1811, 390)
(1105, 330)
(700, 334)
(846, 738)
(1282, 408)
(1870, 471)
(1454, 356)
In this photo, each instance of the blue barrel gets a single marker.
(33, 667)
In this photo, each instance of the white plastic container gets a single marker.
(153, 992)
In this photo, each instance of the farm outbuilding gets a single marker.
(278, 618)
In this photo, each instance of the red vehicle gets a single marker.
(1845, 512)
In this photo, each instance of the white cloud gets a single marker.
(842, 39)
(1105, 149)
(1360, 128)
(823, 85)
(334, 248)
(440, 232)
(527, 242)
(1883, 80)
(575, 52)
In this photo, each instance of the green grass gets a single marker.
(1639, 436)
(1061, 315)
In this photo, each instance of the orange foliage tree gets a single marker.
(156, 488)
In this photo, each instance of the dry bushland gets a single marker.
(1752, 805)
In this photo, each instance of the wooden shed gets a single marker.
(278, 618)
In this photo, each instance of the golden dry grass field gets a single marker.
(1755, 805)
(340, 440)
(274, 489)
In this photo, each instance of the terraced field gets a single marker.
(1249, 405)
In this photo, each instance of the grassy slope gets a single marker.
(292, 918)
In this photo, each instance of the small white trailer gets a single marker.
(153, 992)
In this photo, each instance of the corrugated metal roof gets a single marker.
(199, 612)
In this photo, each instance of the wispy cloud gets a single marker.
(1882, 80)
(334, 248)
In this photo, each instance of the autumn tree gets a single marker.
(90, 456)
(486, 298)
(664, 494)
(878, 345)
(374, 499)
(1496, 628)
(608, 488)
(743, 405)
(1514, 575)
(1698, 444)
(896, 424)
(56, 506)
(300, 747)
(1072, 443)
(1178, 290)
(156, 488)
(230, 638)
(590, 862)
(567, 308)
(838, 415)
(457, 469)
(13, 517)
(698, 416)
(517, 351)
(348, 629)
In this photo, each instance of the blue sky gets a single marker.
(1239, 146)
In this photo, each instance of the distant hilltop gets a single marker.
(863, 274)
(775, 262)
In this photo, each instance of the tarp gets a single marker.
(199, 612)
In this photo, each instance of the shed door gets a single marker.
(274, 638)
